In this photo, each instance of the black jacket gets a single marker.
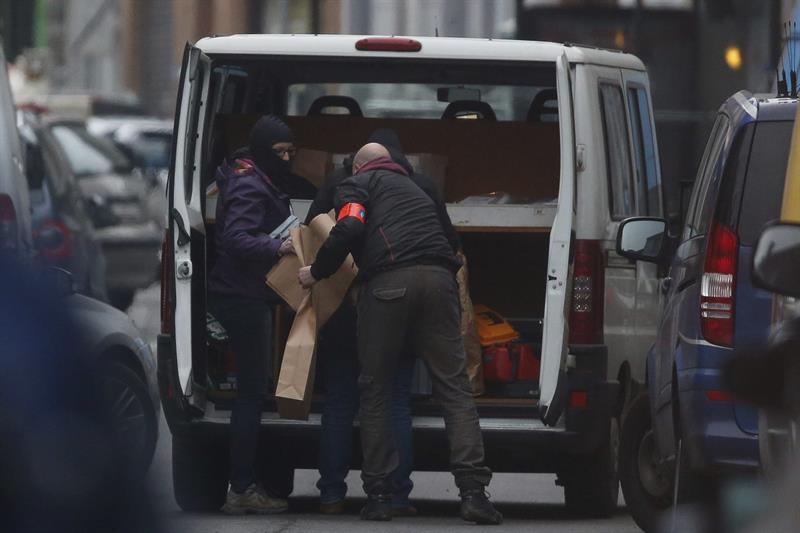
(323, 201)
(401, 225)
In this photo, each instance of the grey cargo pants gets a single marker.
(415, 310)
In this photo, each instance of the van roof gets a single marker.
(760, 107)
(432, 48)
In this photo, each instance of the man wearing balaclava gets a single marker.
(253, 202)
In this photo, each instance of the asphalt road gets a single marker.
(529, 502)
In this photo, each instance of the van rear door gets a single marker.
(552, 379)
(185, 219)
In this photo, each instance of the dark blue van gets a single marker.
(710, 307)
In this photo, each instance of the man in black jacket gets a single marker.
(408, 302)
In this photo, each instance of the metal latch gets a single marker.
(184, 270)
(572, 361)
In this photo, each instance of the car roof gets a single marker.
(760, 107)
(432, 48)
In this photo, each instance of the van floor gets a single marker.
(421, 406)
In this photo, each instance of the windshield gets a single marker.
(89, 155)
(151, 150)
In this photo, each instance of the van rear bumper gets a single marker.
(513, 444)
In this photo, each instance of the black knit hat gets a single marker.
(267, 131)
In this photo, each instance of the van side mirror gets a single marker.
(777, 258)
(642, 238)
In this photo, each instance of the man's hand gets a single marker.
(286, 248)
(305, 277)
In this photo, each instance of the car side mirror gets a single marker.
(777, 258)
(642, 238)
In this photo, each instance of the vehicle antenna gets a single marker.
(783, 88)
(793, 66)
(436, 31)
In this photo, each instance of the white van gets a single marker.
(539, 149)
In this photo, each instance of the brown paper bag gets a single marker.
(296, 378)
(296, 381)
(469, 332)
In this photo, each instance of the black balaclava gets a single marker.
(391, 141)
(267, 131)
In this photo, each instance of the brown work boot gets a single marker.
(253, 501)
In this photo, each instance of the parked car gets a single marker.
(126, 369)
(147, 142)
(544, 258)
(131, 245)
(711, 307)
(63, 234)
(15, 219)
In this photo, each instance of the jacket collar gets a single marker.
(383, 163)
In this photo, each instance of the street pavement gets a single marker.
(530, 502)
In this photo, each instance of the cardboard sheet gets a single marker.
(314, 308)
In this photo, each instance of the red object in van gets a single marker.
(527, 362)
(497, 364)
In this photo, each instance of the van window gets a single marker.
(763, 192)
(618, 159)
(698, 216)
(412, 100)
(645, 153)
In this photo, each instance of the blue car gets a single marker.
(688, 417)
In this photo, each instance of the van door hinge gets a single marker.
(184, 269)
(580, 157)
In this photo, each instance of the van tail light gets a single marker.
(167, 282)
(586, 311)
(8, 224)
(388, 44)
(717, 300)
(53, 240)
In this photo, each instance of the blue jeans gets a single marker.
(338, 360)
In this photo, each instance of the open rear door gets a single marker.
(185, 219)
(552, 379)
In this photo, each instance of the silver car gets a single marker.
(132, 241)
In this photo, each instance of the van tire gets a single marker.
(592, 489)
(647, 493)
(199, 473)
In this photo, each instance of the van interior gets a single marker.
(486, 132)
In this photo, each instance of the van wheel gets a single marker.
(646, 485)
(199, 473)
(592, 489)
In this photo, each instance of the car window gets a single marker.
(697, 220)
(766, 171)
(89, 155)
(647, 173)
(618, 159)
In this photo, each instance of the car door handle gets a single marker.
(666, 283)
(183, 235)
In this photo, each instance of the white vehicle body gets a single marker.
(600, 94)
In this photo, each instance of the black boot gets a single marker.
(476, 507)
(378, 507)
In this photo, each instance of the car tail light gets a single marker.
(53, 240)
(717, 300)
(586, 311)
(167, 319)
(388, 44)
(8, 224)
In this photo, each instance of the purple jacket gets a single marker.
(249, 207)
